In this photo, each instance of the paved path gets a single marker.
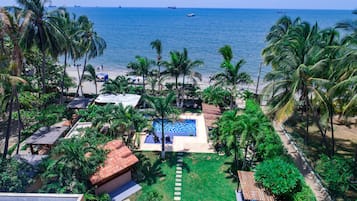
(305, 169)
(178, 179)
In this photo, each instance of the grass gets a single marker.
(204, 177)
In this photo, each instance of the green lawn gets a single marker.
(204, 177)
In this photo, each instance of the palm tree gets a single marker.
(91, 76)
(293, 56)
(229, 132)
(92, 45)
(70, 29)
(42, 31)
(163, 110)
(117, 86)
(141, 68)
(156, 44)
(187, 70)
(14, 23)
(173, 68)
(231, 77)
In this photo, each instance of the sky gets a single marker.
(279, 4)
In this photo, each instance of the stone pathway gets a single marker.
(178, 179)
(320, 192)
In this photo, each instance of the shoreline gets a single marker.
(88, 87)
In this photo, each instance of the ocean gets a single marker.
(129, 31)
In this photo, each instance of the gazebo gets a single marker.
(46, 136)
(80, 103)
(250, 189)
(125, 99)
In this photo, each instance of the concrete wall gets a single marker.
(114, 183)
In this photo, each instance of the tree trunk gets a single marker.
(162, 138)
(332, 131)
(9, 123)
(19, 122)
(63, 76)
(183, 91)
(159, 76)
(43, 66)
(143, 91)
(81, 78)
(177, 93)
(96, 86)
(306, 139)
(245, 157)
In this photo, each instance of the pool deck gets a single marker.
(195, 144)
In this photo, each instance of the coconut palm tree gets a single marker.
(163, 110)
(141, 67)
(231, 77)
(91, 43)
(173, 68)
(91, 76)
(70, 29)
(117, 86)
(293, 57)
(14, 22)
(156, 44)
(188, 70)
(42, 32)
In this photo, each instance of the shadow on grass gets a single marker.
(171, 160)
(146, 171)
(149, 171)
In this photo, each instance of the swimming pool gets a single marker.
(183, 127)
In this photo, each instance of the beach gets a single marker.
(88, 87)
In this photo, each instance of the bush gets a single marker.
(336, 173)
(13, 176)
(153, 196)
(216, 96)
(279, 177)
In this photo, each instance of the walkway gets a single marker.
(305, 169)
(178, 180)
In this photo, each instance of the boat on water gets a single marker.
(171, 7)
(191, 15)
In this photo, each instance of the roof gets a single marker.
(79, 103)
(125, 99)
(119, 160)
(76, 129)
(252, 190)
(211, 113)
(44, 136)
(40, 197)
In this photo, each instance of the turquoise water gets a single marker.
(185, 127)
(129, 31)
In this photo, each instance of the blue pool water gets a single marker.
(186, 127)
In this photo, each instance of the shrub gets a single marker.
(279, 177)
(336, 171)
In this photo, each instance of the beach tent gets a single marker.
(102, 77)
(125, 99)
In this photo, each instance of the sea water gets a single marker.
(129, 31)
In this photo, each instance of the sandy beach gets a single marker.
(88, 87)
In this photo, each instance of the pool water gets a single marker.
(185, 127)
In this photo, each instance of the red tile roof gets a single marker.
(119, 159)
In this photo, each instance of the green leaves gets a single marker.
(278, 176)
